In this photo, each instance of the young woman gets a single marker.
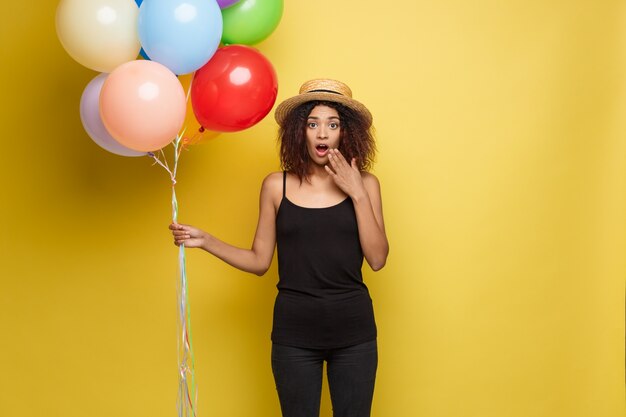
(324, 214)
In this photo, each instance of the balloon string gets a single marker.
(189, 89)
(194, 139)
(187, 391)
(187, 141)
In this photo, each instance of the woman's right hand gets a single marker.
(190, 236)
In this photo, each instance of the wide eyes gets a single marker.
(331, 125)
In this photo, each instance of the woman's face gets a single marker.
(322, 133)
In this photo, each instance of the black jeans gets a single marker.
(351, 375)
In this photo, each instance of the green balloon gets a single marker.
(250, 21)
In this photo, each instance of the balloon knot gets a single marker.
(201, 129)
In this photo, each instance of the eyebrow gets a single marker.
(316, 118)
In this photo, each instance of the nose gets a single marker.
(322, 133)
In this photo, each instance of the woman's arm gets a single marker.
(256, 260)
(364, 190)
(369, 215)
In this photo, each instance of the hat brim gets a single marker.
(287, 106)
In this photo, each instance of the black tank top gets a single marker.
(322, 301)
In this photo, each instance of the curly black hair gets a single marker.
(356, 138)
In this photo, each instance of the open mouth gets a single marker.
(321, 149)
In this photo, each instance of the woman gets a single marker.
(324, 214)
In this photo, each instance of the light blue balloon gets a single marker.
(180, 34)
(144, 55)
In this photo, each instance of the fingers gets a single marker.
(176, 226)
(332, 161)
(180, 227)
(336, 160)
(335, 156)
(180, 232)
(336, 153)
(179, 239)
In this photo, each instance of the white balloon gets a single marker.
(99, 34)
(92, 122)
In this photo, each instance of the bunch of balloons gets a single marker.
(139, 105)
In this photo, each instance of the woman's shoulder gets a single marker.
(274, 178)
(369, 178)
(273, 183)
(371, 183)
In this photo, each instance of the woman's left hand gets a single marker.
(346, 176)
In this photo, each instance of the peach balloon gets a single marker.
(142, 105)
(194, 134)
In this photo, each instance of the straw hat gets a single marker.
(324, 90)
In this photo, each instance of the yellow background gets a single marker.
(502, 136)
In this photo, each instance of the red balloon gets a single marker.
(234, 90)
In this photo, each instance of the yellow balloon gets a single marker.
(99, 34)
(194, 134)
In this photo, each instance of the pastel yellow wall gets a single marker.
(502, 135)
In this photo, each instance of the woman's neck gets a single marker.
(317, 171)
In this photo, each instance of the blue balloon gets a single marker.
(144, 55)
(180, 34)
(142, 52)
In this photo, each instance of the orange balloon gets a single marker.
(142, 105)
(194, 133)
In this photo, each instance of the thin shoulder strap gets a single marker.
(284, 182)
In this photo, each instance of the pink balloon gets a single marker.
(142, 105)
(90, 116)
